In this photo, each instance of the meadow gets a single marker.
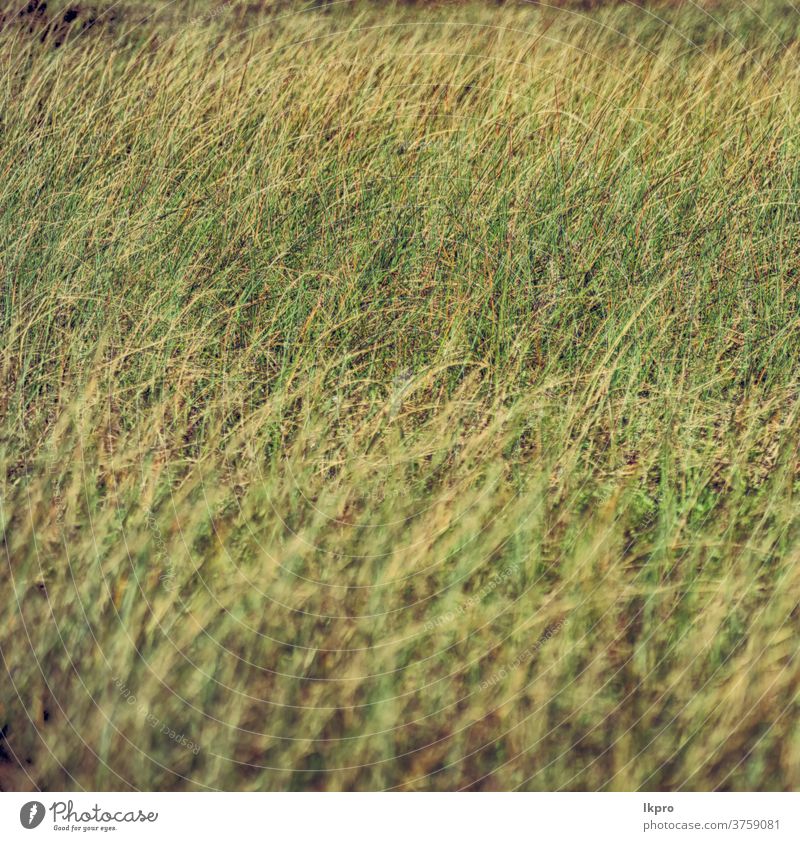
(400, 396)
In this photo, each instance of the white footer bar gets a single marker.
(401, 817)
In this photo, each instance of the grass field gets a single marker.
(400, 396)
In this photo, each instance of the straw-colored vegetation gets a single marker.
(400, 396)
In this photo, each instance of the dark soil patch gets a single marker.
(54, 26)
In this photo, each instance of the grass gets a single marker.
(400, 397)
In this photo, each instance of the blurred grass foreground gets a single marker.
(400, 396)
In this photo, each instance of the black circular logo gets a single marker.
(31, 814)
